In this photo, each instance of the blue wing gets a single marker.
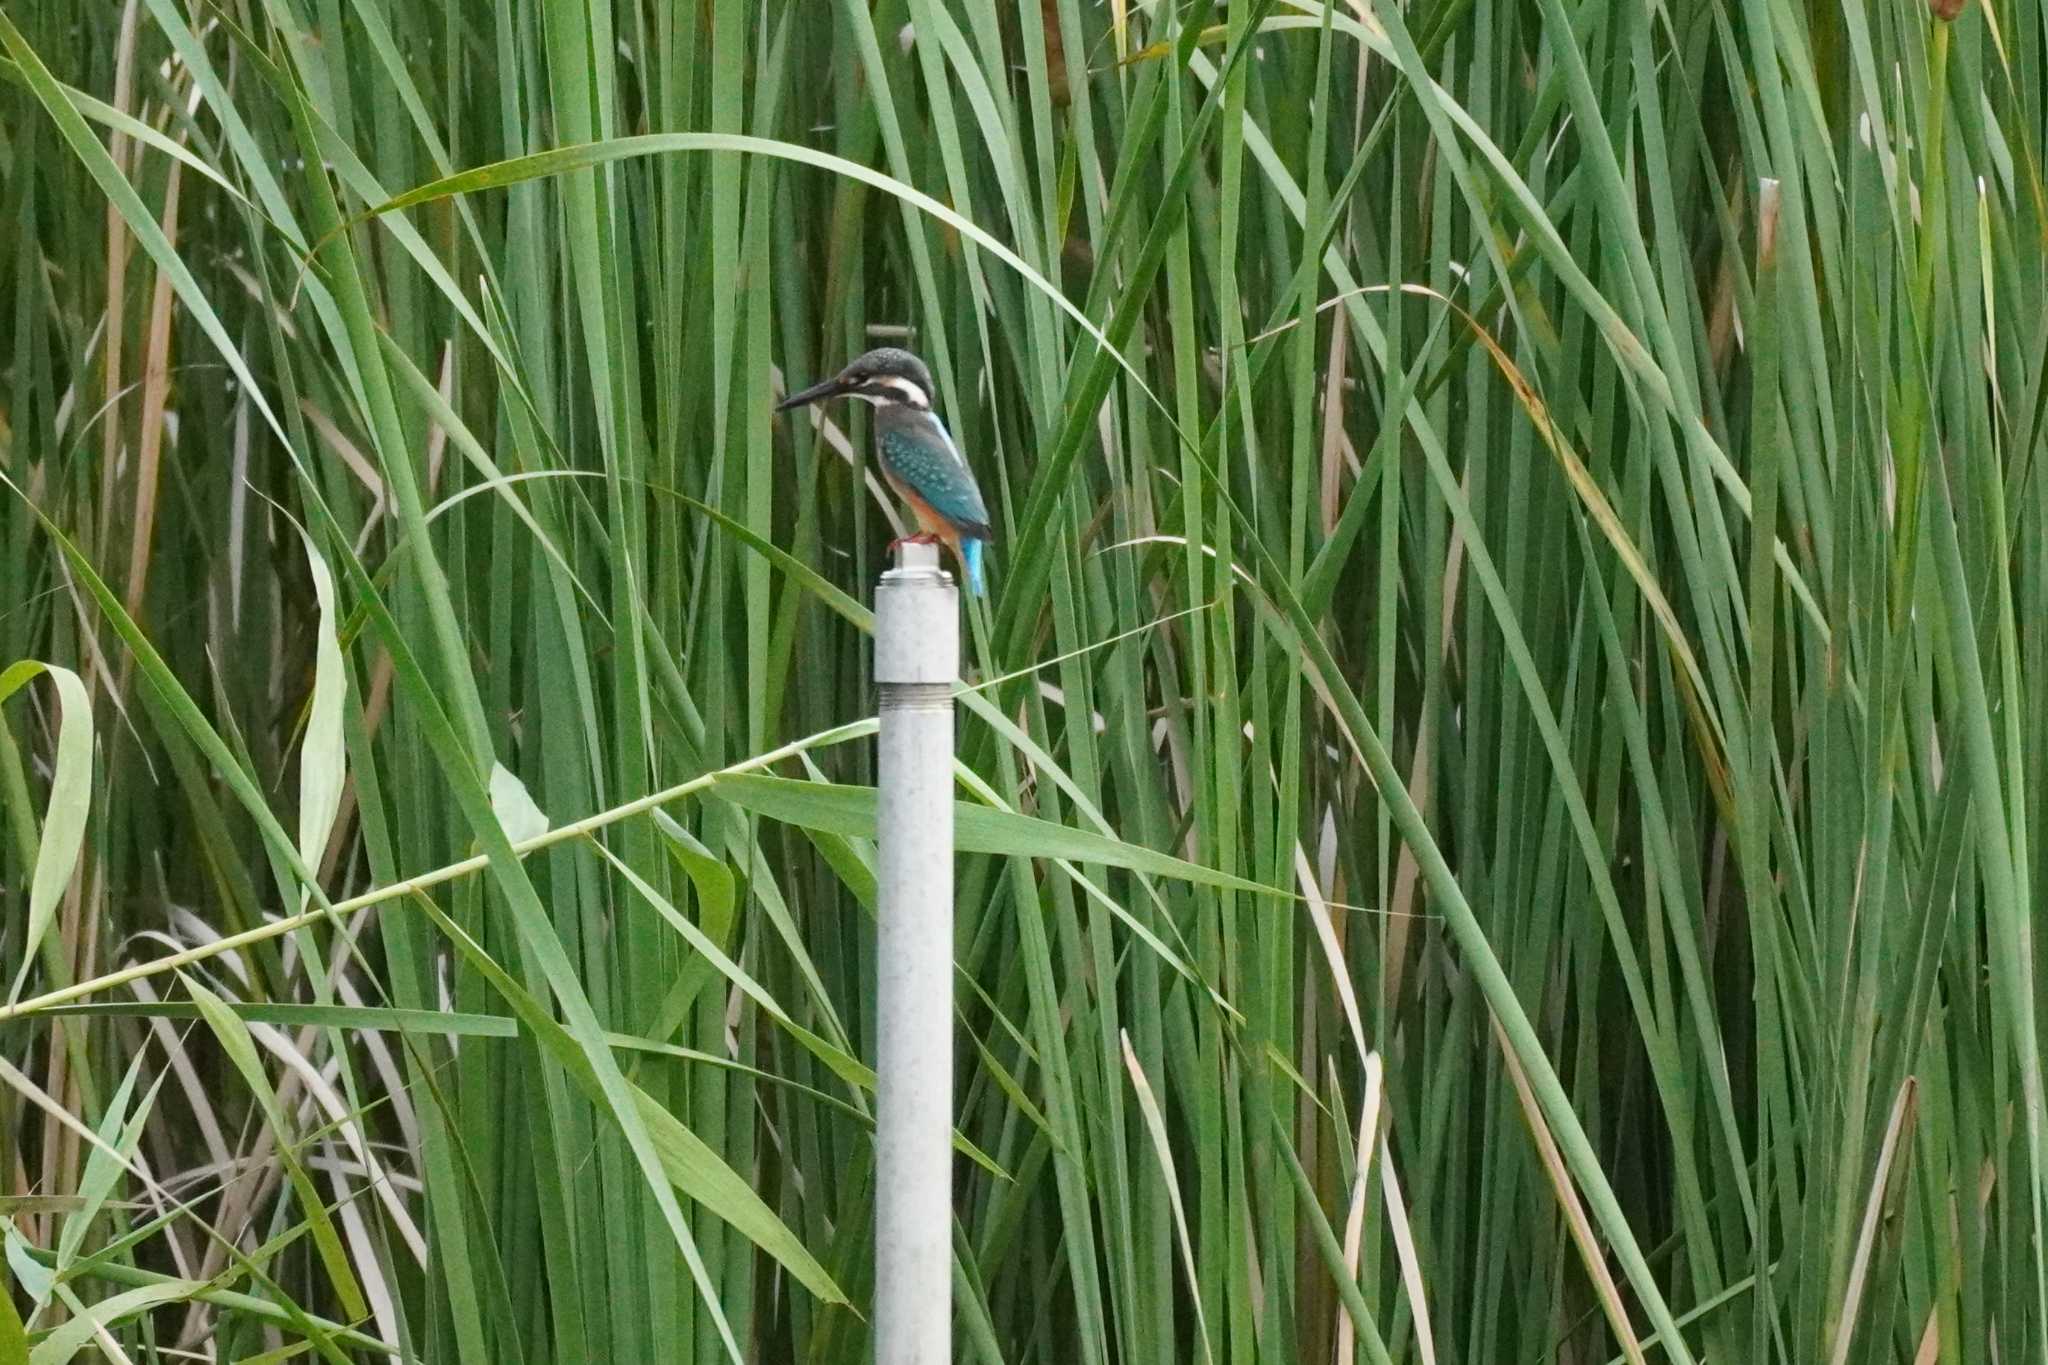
(918, 453)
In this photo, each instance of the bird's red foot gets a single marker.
(921, 538)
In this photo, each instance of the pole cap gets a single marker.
(917, 620)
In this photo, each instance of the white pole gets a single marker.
(917, 659)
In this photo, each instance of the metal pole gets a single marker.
(917, 659)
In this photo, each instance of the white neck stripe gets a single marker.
(912, 394)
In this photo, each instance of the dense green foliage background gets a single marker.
(1507, 744)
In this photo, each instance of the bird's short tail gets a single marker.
(970, 555)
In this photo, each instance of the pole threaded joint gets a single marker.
(916, 696)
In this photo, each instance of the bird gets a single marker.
(918, 457)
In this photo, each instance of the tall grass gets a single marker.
(1500, 774)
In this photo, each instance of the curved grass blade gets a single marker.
(70, 798)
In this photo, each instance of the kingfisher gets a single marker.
(919, 459)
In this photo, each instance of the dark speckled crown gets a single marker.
(891, 361)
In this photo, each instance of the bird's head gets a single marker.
(885, 377)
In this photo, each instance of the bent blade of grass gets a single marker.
(977, 829)
(438, 876)
(323, 760)
(64, 818)
(564, 160)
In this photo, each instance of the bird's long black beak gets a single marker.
(816, 393)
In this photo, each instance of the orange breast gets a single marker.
(928, 519)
